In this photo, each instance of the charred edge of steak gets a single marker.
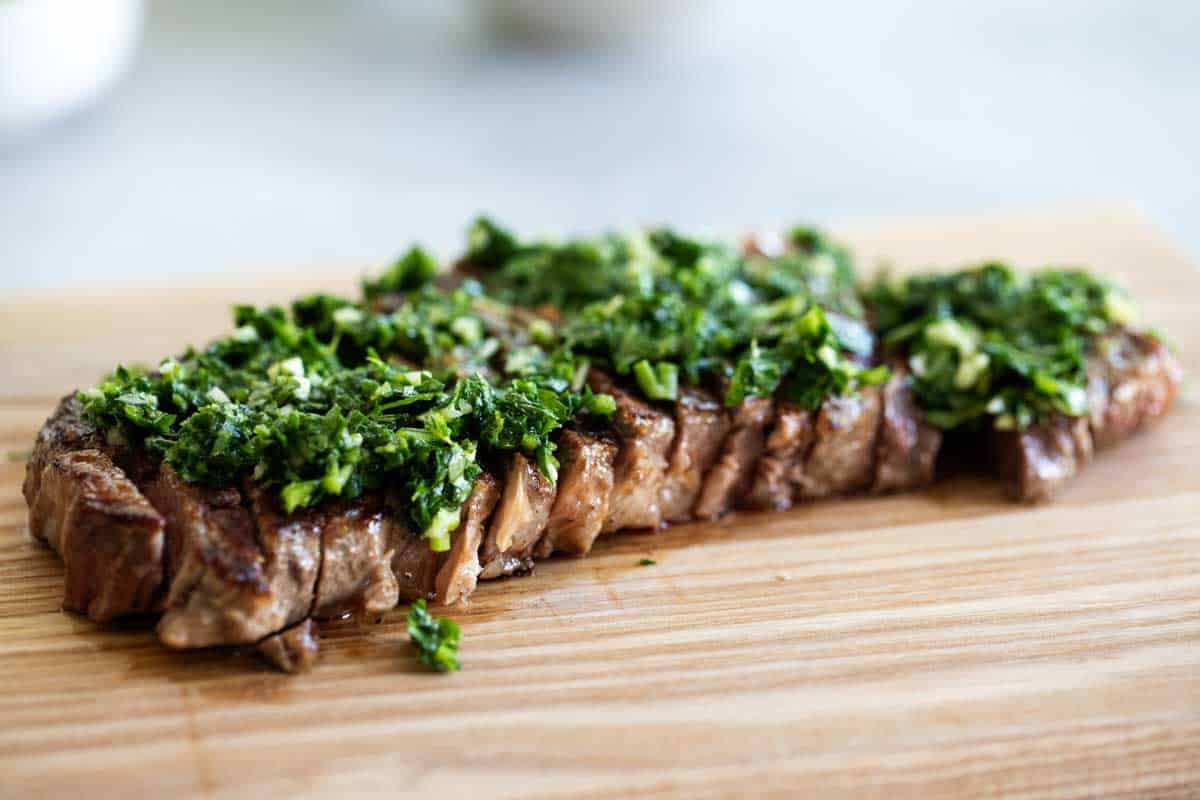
(109, 537)
(907, 446)
(519, 520)
(585, 482)
(701, 425)
(733, 471)
(1133, 380)
(86, 507)
(1038, 461)
(293, 649)
(645, 435)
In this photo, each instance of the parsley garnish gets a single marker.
(647, 562)
(436, 640)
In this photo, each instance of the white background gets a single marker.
(273, 136)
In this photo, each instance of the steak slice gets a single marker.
(520, 517)
(731, 475)
(356, 562)
(294, 649)
(447, 577)
(64, 431)
(700, 428)
(907, 448)
(585, 482)
(786, 446)
(1038, 461)
(842, 457)
(1133, 380)
(109, 536)
(239, 571)
(645, 435)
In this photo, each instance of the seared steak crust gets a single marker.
(109, 537)
(1038, 461)
(907, 447)
(585, 482)
(1133, 380)
(734, 470)
(294, 649)
(356, 572)
(645, 435)
(701, 425)
(519, 520)
(842, 457)
(787, 445)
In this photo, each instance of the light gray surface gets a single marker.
(277, 136)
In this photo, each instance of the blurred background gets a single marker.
(143, 143)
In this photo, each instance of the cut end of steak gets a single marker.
(645, 435)
(842, 457)
(907, 447)
(733, 471)
(786, 447)
(521, 515)
(701, 425)
(356, 574)
(585, 482)
(1133, 379)
(292, 650)
(238, 573)
(109, 537)
(1038, 461)
(459, 571)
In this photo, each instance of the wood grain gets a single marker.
(943, 644)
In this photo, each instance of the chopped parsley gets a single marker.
(989, 343)
(436, 639)
(647, 562)
(665, 310)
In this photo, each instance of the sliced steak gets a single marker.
(842, 456)
(64, 431)
(786, 446)
(520, 518)
(1038, 461)
(1133, 380)
(733, 471)
(645, 435)
(356, 570)
(239, 571)
(294, 649)
(701, 425)
(109, 537)
(907, 447)
(585, 482)
(448, 577)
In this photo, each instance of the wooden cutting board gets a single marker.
(942, 644)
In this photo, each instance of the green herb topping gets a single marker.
(666, 310)
(436, 639)
(988, 342)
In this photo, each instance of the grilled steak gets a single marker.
(109, 537)
(1039, 460)
(645, 435)
(701, 425)
(447, 577)
(356, 572)
(292, 650)
(842, 457)
(585, 482)
(520, 518)
(1132, 381)
(907, 448)
(733, 471)
(786, 447)
(240, 571)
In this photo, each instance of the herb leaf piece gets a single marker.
(436, 639)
